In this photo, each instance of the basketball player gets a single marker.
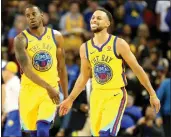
(102, 56)
(40, 54)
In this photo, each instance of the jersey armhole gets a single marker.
(114, 48)
(26, 40)
(86, 50)
(53, 36)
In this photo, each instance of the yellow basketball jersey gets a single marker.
(42, 53)
(107, 66)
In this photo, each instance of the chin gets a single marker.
(34, 27)
(96, 30)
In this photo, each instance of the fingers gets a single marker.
(56, 99)
(63, 111)
(157, 107)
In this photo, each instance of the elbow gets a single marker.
(26, 71)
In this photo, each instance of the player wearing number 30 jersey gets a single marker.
(102, 57)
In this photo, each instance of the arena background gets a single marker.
(143, 24)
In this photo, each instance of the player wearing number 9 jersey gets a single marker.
(40, 54)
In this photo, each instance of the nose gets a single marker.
(31, 17)
(93, 20)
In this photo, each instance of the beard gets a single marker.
(35, 26)
(96, 30)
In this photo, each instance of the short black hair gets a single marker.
(31, 6)
(109, 15)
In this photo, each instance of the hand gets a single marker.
(53, 94)
(155, 103)
(84, 107)
(65, 106)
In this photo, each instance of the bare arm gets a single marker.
(124, 50)
(61, 65)
(84, 75)
(24, 61)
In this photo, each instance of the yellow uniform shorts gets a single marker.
(35, 105)
(106, 111)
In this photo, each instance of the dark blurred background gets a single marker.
(145, 25)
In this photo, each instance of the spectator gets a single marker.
(21, 6)
(72, 27)
(119, 19)
(164, 117)
(161, 11)
(126, 33)
(131, 115)
(110, 5)
(142, 33)
(54, 16)
(92, 6)
(12, 87)
(146, 126)
(46, 19)
(72, 69)
(134, 13)
(78, 113)
(85, 131)
(168, 17)
(19, 25)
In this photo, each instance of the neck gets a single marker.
(101, 37)
(8, 78)
(39, 31)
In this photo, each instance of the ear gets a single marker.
(41, 15)
(108, 23)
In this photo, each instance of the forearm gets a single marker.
(35, 78)
(79, 86)
(143, 78)
(64, 81)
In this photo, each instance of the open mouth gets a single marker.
(33, 22)
(94, 25)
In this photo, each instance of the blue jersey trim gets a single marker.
(86, 46)
(53, 35)
(26, 39)
(39, 38)
(100, 48)
(114, 48)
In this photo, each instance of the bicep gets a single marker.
(85, 64)
(20, 51)
(127, 55)
(60, 52)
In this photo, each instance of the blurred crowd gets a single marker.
(145, 25)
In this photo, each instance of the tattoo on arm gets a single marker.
(20, 53)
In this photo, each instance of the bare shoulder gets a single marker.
(20, 40)
(121, 41)
(122, 45)
(57, 34)
(83, 51)
(59, 38)
(20, 37)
